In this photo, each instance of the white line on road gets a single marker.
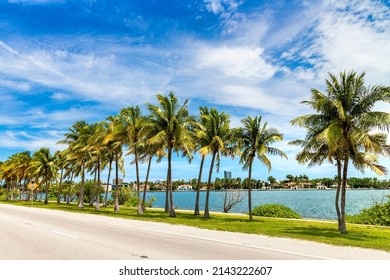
(65, 234)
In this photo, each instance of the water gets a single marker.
(318, 204)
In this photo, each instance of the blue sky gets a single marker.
(63, 61)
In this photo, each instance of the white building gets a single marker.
(184, 188)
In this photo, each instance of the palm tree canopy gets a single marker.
(216, 134)
(171, 123)
(255, 140)
(346, 109)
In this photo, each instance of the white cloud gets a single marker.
(15, 85)
(26, 141)
(221, 6)
(351, 35)
(92, 76)
(227, 12)
(243, 62)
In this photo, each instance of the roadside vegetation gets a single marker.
(275, 210)
(342, 130)
(378, 214)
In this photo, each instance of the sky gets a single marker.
(63, 61)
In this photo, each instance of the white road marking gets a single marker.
(65, 234)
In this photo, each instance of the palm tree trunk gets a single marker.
(169, 184)
(206, 207)
(60, 187)
(98, 186)
(93, 189)
(41, 194)
(108, 183)
(166, 197)
(196, 211)
(25, 190)
(116, 203)
(8, 190)
(81, 197)
(48, 182)
(146, 184)
(69, 188)
(139, 204)
(337, 200)
(250, 189)
(343, 226)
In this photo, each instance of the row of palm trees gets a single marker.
(21, 168)
(168, 129)
(340, 131)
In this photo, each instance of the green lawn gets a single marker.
(374, 237)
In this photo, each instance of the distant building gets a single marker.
(120, 181)
(107, 187)
(184, 188)
(227, 174)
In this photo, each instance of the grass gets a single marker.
(373, 237)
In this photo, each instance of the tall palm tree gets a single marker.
(218, 137)
(9, 177)
(21, 164)
(254, 140)
(98, 150)
(108, 154)
(44, 166)
(201, 139)
(116, 137)
(60, 161)
(147, 151)
(135, 127)
(77, 139)
(172, 123)
(343, 124)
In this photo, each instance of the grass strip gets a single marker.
(373, 237)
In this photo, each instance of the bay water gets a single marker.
(317, 204)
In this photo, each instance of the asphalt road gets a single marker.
(41, 234)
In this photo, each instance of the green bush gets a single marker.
(379, 214)
(275, 210)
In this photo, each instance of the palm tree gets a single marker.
(9, 177)
(44, 166)
(116, 137)
(77, 139)
(218, 136)
(146, 154)
(255, 140)
(21, 165)
(135, 127)
(108, 154)
(201, 138)
(60, 161)
(172, 122)
(344, 122)
(98, 150)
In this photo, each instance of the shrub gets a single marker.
(275, 210)
(378, 214)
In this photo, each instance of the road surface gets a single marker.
(42, 234)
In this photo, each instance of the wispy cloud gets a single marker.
(243, 62)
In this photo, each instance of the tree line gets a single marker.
(340, 131)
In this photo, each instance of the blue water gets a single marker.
(318, 204)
